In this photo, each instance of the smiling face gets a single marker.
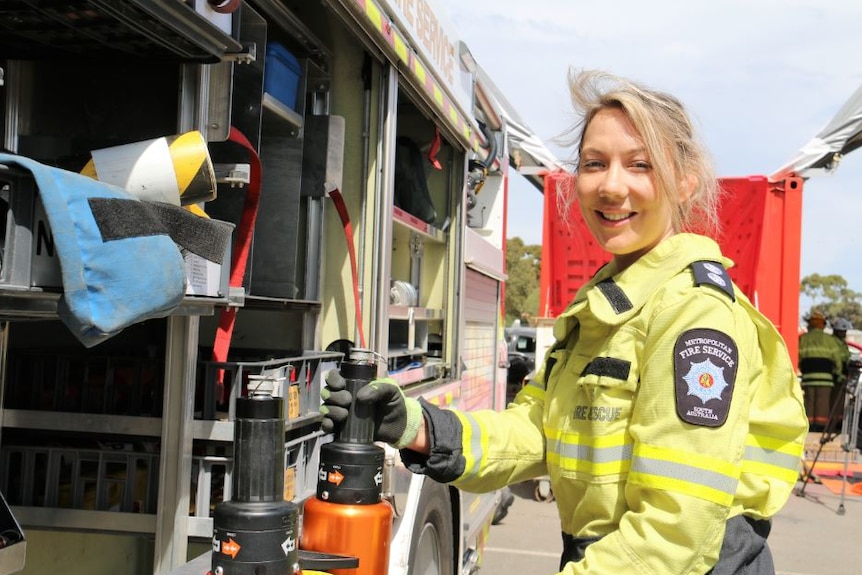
(616, 188)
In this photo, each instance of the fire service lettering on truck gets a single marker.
(432, 35)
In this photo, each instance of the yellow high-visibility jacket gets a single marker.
(667, 407)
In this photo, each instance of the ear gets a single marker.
(687, 185)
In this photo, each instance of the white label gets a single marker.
(202, 276)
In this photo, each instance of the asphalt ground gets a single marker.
(809, 536)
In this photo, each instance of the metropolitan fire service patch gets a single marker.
(705, 363)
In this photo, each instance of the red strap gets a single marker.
(435, 147)
(224, 6)
(341, 207)
(239, 257)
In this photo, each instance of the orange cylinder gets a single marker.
(361, 531)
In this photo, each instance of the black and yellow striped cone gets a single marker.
(173, 169)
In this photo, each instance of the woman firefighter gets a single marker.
(667, 414)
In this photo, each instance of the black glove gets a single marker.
(396, 418)
(336, 402)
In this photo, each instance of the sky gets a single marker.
(760, 78)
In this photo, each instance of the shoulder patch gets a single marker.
(705, 363)
(713, 273)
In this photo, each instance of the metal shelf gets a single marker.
(400, 312)
(280, 304)
(82, 422)
(395, 352)
(281, 112)
(429, 370)
(38, 304)
(208, 430)
(414, 224)
(153, 28)
(85, 520)
(201, 527)
(22, 304)
(222, 430)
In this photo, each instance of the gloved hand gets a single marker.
(396, 418)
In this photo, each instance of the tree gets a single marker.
(522, 287)
(832, 296)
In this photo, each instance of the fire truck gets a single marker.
(359, 160)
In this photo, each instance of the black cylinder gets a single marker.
(359, 426)
(258, 470)
(255, 533)
(350, 473)
(351, 467)
(255, 538)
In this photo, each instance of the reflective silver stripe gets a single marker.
(476, 451)
(590, 453)
(686, 473)
(771, 457)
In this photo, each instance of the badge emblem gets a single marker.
(705, 367)
(705, 381)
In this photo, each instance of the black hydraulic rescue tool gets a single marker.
(255, 533)
(349, 515)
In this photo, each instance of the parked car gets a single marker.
(521, 343)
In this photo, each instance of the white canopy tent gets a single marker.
(842, 135)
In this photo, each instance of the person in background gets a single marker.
(840, 327)
(667, 413)
(821, 357)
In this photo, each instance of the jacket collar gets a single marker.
(619, 295)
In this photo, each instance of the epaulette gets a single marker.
(713, 273)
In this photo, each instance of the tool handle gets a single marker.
(359, 426)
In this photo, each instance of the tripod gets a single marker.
(849, 428)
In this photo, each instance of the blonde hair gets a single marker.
(668, 134)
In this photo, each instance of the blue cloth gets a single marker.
(107, 285)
